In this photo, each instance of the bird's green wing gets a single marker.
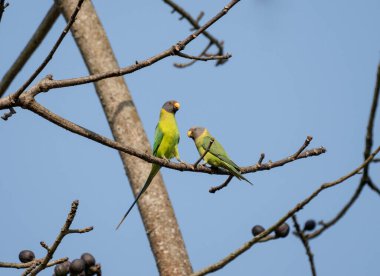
(158, 135)
(218, 151)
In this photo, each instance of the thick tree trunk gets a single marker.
(160, 223)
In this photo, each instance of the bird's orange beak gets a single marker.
(177, 105)
(189, 133)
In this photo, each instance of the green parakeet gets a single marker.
(216, 156)
(166, 139)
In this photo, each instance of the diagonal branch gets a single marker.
(52, 84)
(64, 231)
(27, 101)
(305, 243)
(196, 26)
(365, 179)
(30, 47)
(51, 53)
(221, 186)
(232, 256)
(3, 5)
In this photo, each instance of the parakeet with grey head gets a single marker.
(166, 139)
(216, 156)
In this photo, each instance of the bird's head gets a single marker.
(195, 132)
(171, 106)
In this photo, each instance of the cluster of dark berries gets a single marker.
(84, 266)
(281, 231)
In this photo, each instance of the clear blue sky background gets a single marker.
(299, 68)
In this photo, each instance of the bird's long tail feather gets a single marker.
(237, 174)
(153, 172)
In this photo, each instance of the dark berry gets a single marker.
(88, 259)
(282, 231)
(309, 225)
(257, 229)
(77, 266)
(26, 256)
(62, 269)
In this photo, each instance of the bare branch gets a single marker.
(27, 101)
(220, 264)
(203, 53)
(29, 264)
(261, 159)
(223, 185)
(211, 57)
(365, 179)
(196, 26)
(305, 244)
(339, 215)
(30, 47)
(3, 5)
(64, 231)
(52, 84)
(51, 53)
(8, 114)
(373, 186)
(304, 146)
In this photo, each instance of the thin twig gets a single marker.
(6, 115)
(220, 264)
(196, 26)
(64, 231)
(184, 65)
(39, 35)
(326, 225)
(3, 5)
(261, 159)
(204, 153)
(224, 184)
(305, 244)
(211, 57)
(29, 264)
(304, 146)
(51, 53)
(373, 186)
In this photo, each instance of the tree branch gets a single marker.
(30, 47)
(223, 185)
(220, 264)
(53, 84)
(64, 231)
(27, 101)
(51, 53)
(305, 243)
(196, 26)
(29, 264)
(3, 5)
(365, 179)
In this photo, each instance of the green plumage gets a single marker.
(216, 156)
(166, 139)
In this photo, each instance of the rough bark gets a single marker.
(155, 207)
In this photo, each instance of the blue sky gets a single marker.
(298, 68)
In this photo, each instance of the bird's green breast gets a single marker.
(169, 128)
